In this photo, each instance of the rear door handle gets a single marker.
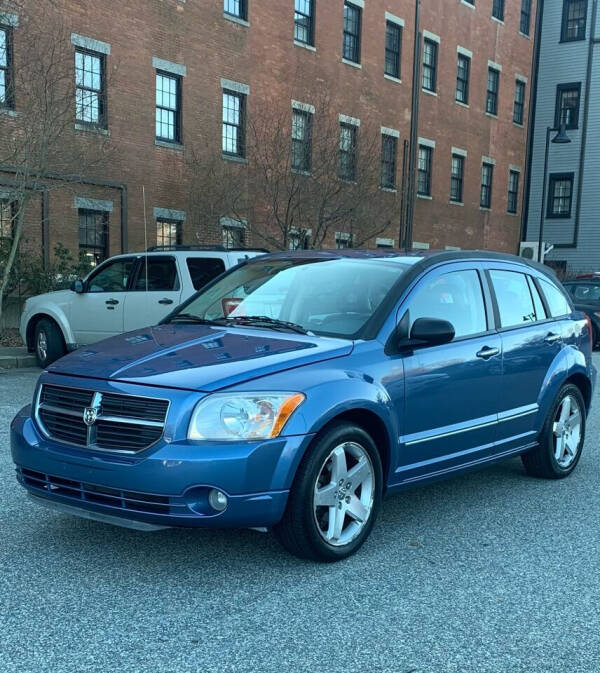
(552, 338)
(111, 302)
(486, 353)
(165, 301)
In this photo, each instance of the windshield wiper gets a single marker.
(191, 318)
(265, 321)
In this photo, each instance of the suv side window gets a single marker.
(112, 277)
(515, 304)
(456, 297)
(162, 275)
(585, 293)
(540, 311)
(557, 302)
(204, 269)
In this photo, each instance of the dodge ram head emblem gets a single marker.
(90, 414)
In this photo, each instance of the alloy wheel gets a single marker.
(42, 346)
(567, 431)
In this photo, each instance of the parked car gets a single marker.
(114, 298)
(586, 298)
(376, 371)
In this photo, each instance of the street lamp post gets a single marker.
(561, 138)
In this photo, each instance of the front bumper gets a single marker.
(167, 485)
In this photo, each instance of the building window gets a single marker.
(168, 232)
(299, 240)
(487, 173)
(90, 95)
(560, 195)
(393, 47)
(343, 241)
(237, 8)
(573, 20)
(93, 236)
(567, 105)
(498, 10)
(493, 82)
(462, 79)
(304, 21)
(6, 222)
(351, 45)
(524, 26)
(234, 105)
(168, 107)
(389, 145)
(456, 178)
(348, 135)
(519, 106)
(301, 140)
(234, 237)
(430, 54)
(6, 74)
(424, 170)
(513, 192)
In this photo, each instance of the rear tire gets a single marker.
(335, 498)
(561, 439)
(49, 343)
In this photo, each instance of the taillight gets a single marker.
(590, 331)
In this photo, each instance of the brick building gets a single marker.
(155, 78)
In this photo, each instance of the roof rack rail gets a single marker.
(247, 250)
(215, 248)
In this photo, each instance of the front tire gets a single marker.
(49, 344)
(561, 439)
(335, 498)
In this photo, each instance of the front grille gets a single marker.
(116, 422)
(101, 495)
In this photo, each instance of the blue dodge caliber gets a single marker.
(298, 389)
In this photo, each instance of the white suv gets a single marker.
(113, 298)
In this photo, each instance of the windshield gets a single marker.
(327, 297)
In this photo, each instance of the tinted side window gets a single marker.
(585, 293)
(162, 275)
(203, 270)
(557, 301)
(112, 277)
(455, 297)
(540, 311)
(515, 304)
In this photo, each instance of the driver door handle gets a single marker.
(165, 301)
(486, 353)
(111, 302)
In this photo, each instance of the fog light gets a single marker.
(217, 499)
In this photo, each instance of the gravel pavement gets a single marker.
(489, 572)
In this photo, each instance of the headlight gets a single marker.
(235, 416)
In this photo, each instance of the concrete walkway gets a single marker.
(16, 358)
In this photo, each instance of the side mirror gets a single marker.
(431, 332)
(77, 286)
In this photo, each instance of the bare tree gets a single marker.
(37, 143)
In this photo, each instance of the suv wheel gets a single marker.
(561, 439)
(49, 344)
(335, 498)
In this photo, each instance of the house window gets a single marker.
(430, 54)
(234, 108)
(524, 26)
(90, 95)
(301, 140)
(567, 105)
(493, 82)
(347, 168)
(304, 26)
(462, 79)
(393, 44)
(93, 236)
(237, 8)
(351, 45)
(519, 106)
(343, 241)
(456, 178)
(299, 240)
(560, 195)
(498, 10)
(573, 20)
(168, 232)
(487, 173)
(6, 74)
(168, 107)
(424, 170)
(6, 222)
(233, 237)
(513, 191)
(389, 146)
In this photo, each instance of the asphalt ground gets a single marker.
(490, 571)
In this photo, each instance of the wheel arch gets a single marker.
(32, 324)
(585, 386)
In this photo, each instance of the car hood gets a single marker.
(197, 357)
